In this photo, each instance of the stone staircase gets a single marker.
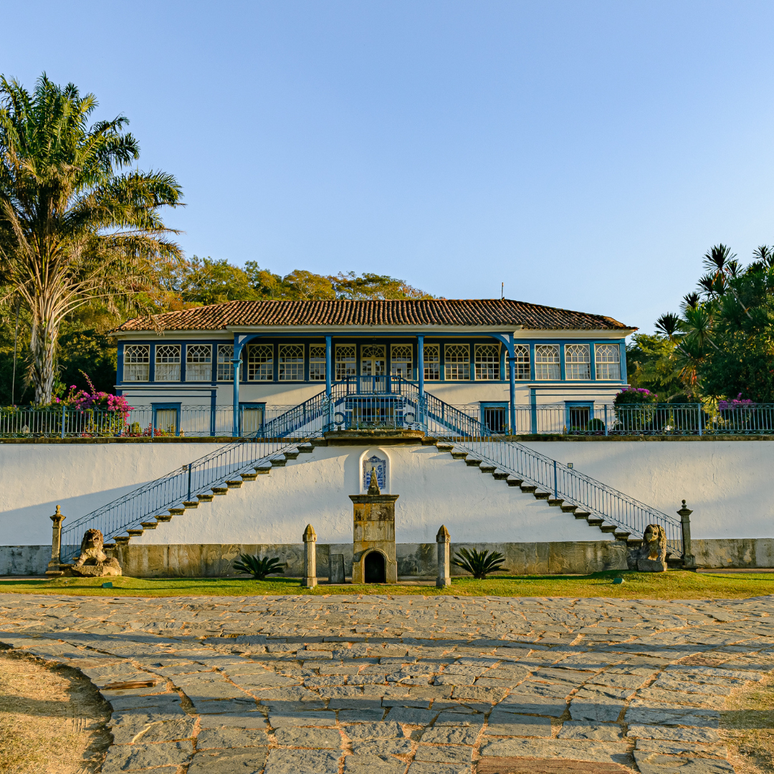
(263, 469)
(592, 520)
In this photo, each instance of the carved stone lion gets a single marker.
(652, 555)
(93, 561)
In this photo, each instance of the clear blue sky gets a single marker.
(585, 153)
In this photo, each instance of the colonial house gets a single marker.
(247, 362)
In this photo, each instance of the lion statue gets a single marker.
(652, 554)
(93, 561)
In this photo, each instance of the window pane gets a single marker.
(317, 362)
(608, 361)
(521, 353)
(136, 363)
(488, 362)
(345, 361)
(260, 363)
(291, 363)
(457, 362)
(225, 366)
(547, 367)
(373, 360)
(198, 363)
(167, 362)
(166, 420)
(432, 362)
(402, 361)
(577, 361)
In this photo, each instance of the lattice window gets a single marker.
(373, 360)
(457, 362)
(136, 362)
(402, 361)
(432, 362)
(225, 366)
(346, 362)
(317, 362)
(521, 362)
(547, 367)
(608, 361)
(577, 361)
(488, 362)
(291, 363)
(260, 362)
(167, 362)
(198, 362)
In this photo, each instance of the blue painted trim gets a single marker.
(532, 362)
(176, 406)
(120, 364)
(328, 364)
(152, 364)
(562, 372)
(624, 373)
(593, 361)
(533, 411)
(213, 406)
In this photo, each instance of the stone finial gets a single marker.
(443, 535)
(58, 517)
(373, 487)
(310, 536)
(684, 511)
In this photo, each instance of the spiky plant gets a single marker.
(258, 566)
(478, 563)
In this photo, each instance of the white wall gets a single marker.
(728, 484)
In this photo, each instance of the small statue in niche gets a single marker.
(93, 561)
(652, 554)
(377, 465)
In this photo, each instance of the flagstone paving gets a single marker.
(405, 685)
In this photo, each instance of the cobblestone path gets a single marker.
(405, 685)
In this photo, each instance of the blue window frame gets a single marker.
(166, 417)
(252, 417)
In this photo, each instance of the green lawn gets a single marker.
(672, 585)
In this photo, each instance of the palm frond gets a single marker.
(478, 563)
(258, 567)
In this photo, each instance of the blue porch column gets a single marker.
(421, 376)
(512, 383)
(237, 362)
(328, 365)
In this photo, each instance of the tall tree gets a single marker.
(74, 228)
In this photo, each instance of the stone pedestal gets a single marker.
(375, 556)
(689, 560)
(443, 540)
(55, 565)
(310, 557)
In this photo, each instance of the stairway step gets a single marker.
(191, 503)
(459, 455)
(219, 490)
(444, 446)
(634, 542)
(569, 508)
(514, 481)
(528, 488)
(249, 476)
(263, 469)
(581, 514)
(122, 540)
(487, 467)
(473, 462)
(305, 448)
(109, 546)
(319, 442)
(555, 501)
(149, 524)
(134, 532)
(164, 517)
(595, 521)
(177, 511)
(292, 454)
(608, 528)
(235, 484)
(620, 535)
(278, 462)
(541, 495)
(204, 498)
(501, 475)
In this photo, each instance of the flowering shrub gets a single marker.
(84, 401)
(636, 395)
(736, 403)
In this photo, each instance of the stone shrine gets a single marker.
(374, 554)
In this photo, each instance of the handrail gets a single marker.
(171, 490)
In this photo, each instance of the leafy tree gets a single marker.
(74, 228)
(206, 281)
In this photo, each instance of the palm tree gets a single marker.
(74, 228)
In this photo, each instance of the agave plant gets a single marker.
(257, 566)
(479, 563)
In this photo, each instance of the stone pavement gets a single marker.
(407, 684)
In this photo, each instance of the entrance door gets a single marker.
(373, 361)
(374, 570)
(579, 415)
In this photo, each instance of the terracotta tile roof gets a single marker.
(486, 312)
